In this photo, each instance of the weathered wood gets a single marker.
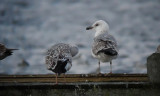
(88, 85)
(74, 78)
(153, 68)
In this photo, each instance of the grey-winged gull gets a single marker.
(59, 58)
(104, 47)
(5, 52)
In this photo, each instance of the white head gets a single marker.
(100, 27)
(74, 50)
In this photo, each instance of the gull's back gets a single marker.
(104, 43)
(58, 54)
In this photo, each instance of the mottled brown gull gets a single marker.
(59, 58)
(5, 52)
(104, 47)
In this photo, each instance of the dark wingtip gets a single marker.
(109, 51)
(13, 49)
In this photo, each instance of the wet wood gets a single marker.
(153, 63)
(74, 78)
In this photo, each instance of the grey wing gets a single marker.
(106, 38)
(103, 44)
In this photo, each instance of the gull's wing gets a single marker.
(106, 44)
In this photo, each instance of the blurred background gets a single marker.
(33, 26)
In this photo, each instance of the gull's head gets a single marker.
(74, 50)
(99, 26)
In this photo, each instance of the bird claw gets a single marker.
(99, 74)
(110, 73)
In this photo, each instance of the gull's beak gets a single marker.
(88, 28)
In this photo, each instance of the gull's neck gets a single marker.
(100, 33)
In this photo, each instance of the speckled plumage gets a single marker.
(59, 58)
(104, 42)
(5, 52)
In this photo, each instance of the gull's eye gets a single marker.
(96, 24)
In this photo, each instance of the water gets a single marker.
(34, 26)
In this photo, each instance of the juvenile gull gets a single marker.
(59, 58)
(5, 52)
(104, 47)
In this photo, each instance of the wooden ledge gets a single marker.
(74, 78)
(74, 81)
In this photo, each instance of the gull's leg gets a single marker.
(110, 67)
(56, 78)
(99, 69)
(64, 75)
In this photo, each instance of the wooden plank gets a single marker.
(74, 78)
(90, 85)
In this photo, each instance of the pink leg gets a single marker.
(56, 79)
(99, 69)
(110, 67)
(64, 78)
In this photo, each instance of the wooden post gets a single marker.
(153, 68)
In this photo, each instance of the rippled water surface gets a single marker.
(35, 25)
